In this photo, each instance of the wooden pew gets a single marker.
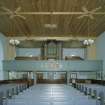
(101, 99)
(1, 98)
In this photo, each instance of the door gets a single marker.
(52, 77)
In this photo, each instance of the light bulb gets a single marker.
(85, 42)
(14, 42)
(88, 42)
(91, 41)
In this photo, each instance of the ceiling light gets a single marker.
(88, 42)
(14, 42)
(91, 41)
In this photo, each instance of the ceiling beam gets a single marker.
(51, 38)
(52, 13)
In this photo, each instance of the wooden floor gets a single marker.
(51, 94)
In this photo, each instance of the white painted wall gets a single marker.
(74, 51)
(3, 53)
(28, 51)
(1, 58)
(100, 50)
(86, 75)
(91, 52)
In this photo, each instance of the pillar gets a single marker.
(68, 77)
(35, 78)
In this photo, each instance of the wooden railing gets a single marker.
(90, 81)
(73, 58)
(57, 65)
(29, 82)
(28, 58)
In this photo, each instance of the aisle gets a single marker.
(51, 95)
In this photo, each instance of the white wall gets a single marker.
(3, 53)
(74, 51)
(100, 50)
(91, 52)
(86, 75)
(11, 53)
(28, 51)
(1, 58)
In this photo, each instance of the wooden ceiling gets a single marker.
(67, 24)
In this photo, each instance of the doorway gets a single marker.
(51, 77)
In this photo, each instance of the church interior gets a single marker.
(51, 52)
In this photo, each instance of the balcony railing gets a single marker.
(58, 65)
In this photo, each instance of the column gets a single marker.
(68, 77)
(35, 78)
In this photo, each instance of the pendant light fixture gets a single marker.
(14, 42)
(88, 41)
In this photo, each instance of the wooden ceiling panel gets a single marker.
(52, 5)
(67, 25)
